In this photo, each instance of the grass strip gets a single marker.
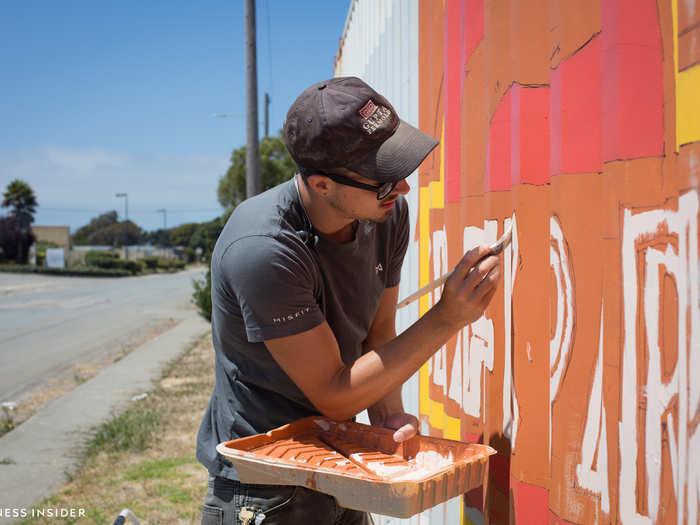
(143, 458)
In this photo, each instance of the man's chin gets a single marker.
(385, 216)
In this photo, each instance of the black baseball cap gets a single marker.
(343, 123)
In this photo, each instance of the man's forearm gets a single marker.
(381, 333)
(384, 369)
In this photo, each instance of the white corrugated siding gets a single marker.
(380, 45)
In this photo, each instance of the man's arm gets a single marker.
(312, 358)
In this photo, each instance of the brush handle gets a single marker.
(496, 248)
(427, 288)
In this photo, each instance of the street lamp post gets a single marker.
(165, 215)
(126, 220)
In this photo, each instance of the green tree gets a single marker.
(82, 235)
(14, 240)
(159, 237)
(119, 234)
(181, 235)
(206, 237)
(276, 166)
(20, 198)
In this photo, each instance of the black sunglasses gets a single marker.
(382, 189)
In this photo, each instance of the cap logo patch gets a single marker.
(373, 117)
(368, 109)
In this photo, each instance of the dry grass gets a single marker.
(163, 483)
(64, 381)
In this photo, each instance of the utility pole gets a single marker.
(252, 160)
(126, 221)
(267, 115)
(165, 215)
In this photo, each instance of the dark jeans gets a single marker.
(231, 502)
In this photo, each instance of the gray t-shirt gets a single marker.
(273, 275)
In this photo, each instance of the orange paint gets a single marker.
(564, 117)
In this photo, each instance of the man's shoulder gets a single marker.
(267, 220)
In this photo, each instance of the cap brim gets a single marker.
(398, 156)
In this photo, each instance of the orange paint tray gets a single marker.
(360, 465)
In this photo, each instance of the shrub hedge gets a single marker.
(74, 271)
(95, 256)
(154, 262)
(150, 262)
(111, 261)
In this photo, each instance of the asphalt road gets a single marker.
(48, 323)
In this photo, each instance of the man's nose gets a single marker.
(402, 187)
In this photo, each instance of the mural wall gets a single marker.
(579, 123)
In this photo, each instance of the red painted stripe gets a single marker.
(531, 503)
(530, 135)
(499, 147)
(454, 71)
(555, 121)
(579, 112)
(474, 21)
(632, 80)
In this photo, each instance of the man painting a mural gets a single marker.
(304, 293)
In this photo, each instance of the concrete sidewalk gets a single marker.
(49, 444)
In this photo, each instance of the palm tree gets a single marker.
(19, 196)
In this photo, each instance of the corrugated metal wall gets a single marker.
(380, 45)
(578, 123)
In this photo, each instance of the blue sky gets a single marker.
(104, 97)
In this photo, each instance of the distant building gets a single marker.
(59, 235)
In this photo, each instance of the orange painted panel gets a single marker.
(560, 118)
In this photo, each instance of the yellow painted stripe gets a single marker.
(688, 106)
(432, 197)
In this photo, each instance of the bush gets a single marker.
(111, 261)
(94, 255)
(169, 264)
(202, 295)
(150, 262)
(15, 240)
(74, 271)
(132, 266)
(175, 265)
(41, 247)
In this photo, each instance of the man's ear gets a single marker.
(319, 184)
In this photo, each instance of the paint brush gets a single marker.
(345, 449)
(495, 249)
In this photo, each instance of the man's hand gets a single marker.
(470, 288)
(406, 425)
